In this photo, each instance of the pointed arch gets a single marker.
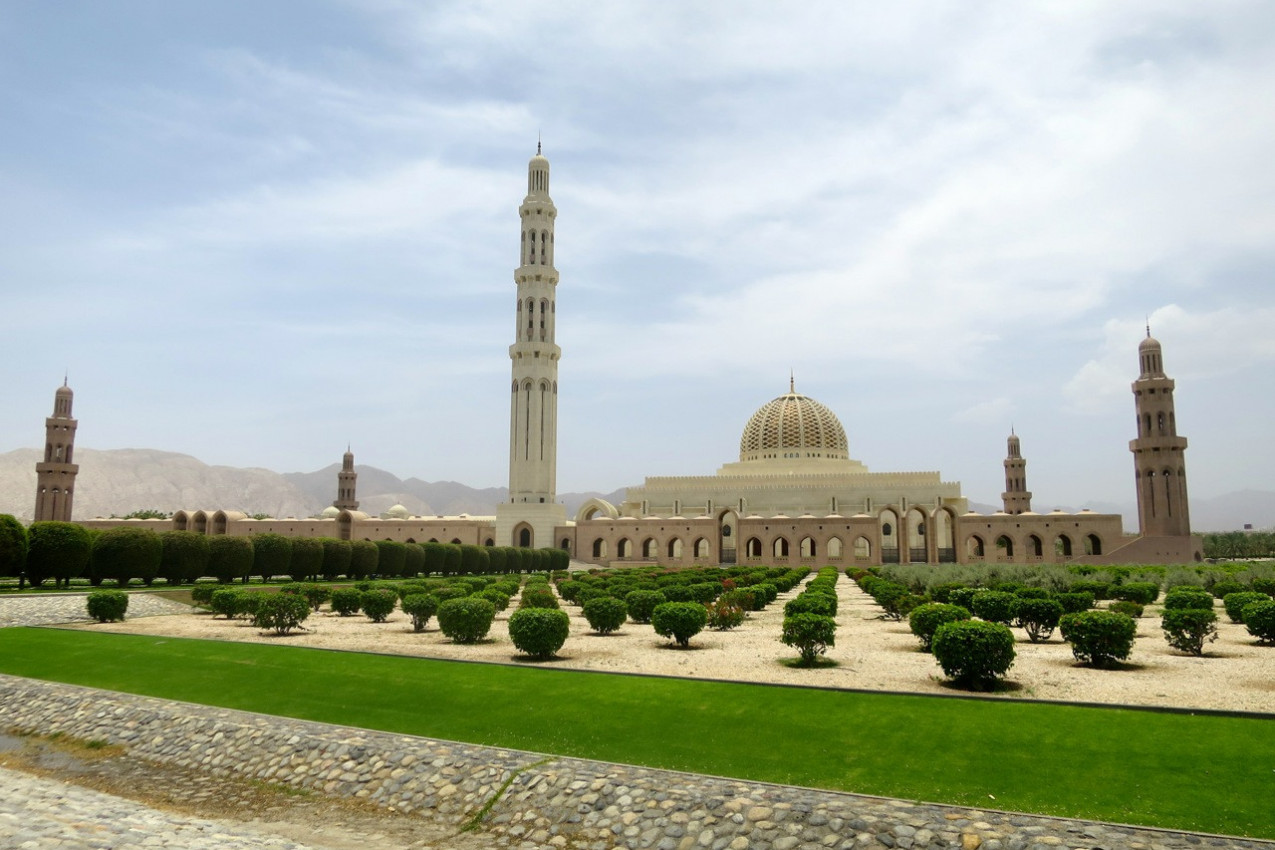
(595, 509)
(975, 549)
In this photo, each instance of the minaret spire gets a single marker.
(1159, 459)
(55, 475)
(1017, 499)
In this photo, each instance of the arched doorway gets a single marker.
(943, 522)
(524, 536)
(727, 532)
(888, 522)
(918, 548)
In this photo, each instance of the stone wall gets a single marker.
(529, 801)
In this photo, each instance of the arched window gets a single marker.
(1062, 546)
(648, 548)
(701, 548)
(974, 547)
(524, 538)
(1034, 546)
(862, 548)
(624, 548)
(753, 548)
(489, 542)
(807, 547)
(1005, 546)
(675, 548)
(599, 548)
(1159, 417)
(780, 547)
(1093, 545)
(566, 544)
(834, 547)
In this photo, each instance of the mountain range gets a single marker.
(119, 481)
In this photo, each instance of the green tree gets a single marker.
(474, 560)
(124, 554)
(363, 556)
(391, 558)
(308, 554)
(336, 557)
(229, 557)
(13, 546)
(58, 550)
(185, 556)
(271, 555)
(414, 563)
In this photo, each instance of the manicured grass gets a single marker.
(1214, 774)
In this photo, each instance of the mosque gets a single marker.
(794, 497)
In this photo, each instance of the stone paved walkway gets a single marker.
(47, 610)
(41, 813)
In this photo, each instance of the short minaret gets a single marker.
(529, 517)
(346, 482)
(1017, 498)
(55, 475)
(1158, 452)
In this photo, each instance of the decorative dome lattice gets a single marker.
(793, 426)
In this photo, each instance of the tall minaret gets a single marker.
(529, 516)
(346, 481)
(1017, 498)
(1158, 452)
(55, 475)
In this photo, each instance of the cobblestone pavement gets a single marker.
(46, 610)
(43, 813)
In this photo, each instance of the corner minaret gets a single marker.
(529, 517)
(1017, 498)
(1158, 452)
(346, 483)
(55, 475)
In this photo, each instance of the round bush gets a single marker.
(1039, 617)
(379, 604)
(1142, 592)
(229, 557)
(1186, 629)
(420, 607)
(963, 596)
(1075, 603)
(57, 550)
(974, 653)
(1099, 589)
(811, 603)
(994, 606)
(810, 634)
(1099, 638)
(764, 593)
(1181, 598)
(346, 601)
(679, 620)
(1235, 603)
(467, 619)
(1259, 619)
(537, 596)
(926, 619)
(725, 614)
(127, 553)
(605, 614)
(1220, 589)
(316, 595)
(539, 632)
(1261, 584)
(641, 604)
(107, 606)
(229, 602)
(281, 612)
(1129, 609)
(201, 594)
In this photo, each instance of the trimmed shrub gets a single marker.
(127, 553)
(1142, 592)
(315, 595)
(764, 593)
(605, 614)
(678, 593)
(467, 619)
(1221, 589)
(705, 592)
(391, 558)
(230, 602)
(272, 556)
(1039, 617)
(642, 603)
(974, 653)
(1265, 585)
(420, 607)
(336, 557)
(1099, 589)
(346, 601)
(495, 597)
(185, 556)
(1186, 629)
(363, 559)
(1259, 619)
(725, 614)
(1129, 609)
(925, 620)
(1183, 598)
(680, 621)
(1098, 638)
(1032, 593)
(537, 596)
(1235, 603)
(57, 550)
(539, 632)
(474, 560)
(306, 560)
(229, 557)
(963, 597)
(281, 612)
(943, 592)
(379, 603)
(1075, 603)
(201, 594)
(811, 603)
(13, 546)
(994, 606)
(810, 634)
(107, 606)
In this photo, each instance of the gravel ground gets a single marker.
(871, 653)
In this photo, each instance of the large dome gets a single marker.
(793, 426)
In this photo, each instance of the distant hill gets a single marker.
(119, 481)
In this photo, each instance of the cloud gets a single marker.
(994, 411)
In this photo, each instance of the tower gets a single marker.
(529, 517)
(346, 481)
(55, 475)
(1158, 452)
(1017, 498)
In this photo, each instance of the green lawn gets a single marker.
(1215, 774)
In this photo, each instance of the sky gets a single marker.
(256, 232)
